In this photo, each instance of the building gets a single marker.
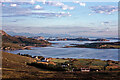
(42, 60)
(85, 69)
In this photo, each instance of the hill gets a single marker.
(14, 67)
(10, 42)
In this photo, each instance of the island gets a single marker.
(73, 39)
(98, 45)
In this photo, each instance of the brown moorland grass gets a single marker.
(15, 68)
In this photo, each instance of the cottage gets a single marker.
(85, 69)
(44, 60)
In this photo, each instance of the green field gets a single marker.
(59, 61)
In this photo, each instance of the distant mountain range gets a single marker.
(46, 35)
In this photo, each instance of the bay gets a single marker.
(56, 51)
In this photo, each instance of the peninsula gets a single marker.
(20, 42)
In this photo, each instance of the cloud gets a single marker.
(76, 1)
(16, 20)
(81, 3)
(109, 24)
(65, 7)
(5, 0)
(104, 9)
(38, 7)
(18, 12)
(13, 5)
(50, 14)
(114, 25)
(54, 3)
(32, 1)
(60, 4)
(38, 11)
(14, 15)
(89, 14)
(105, 23)
(8, 10)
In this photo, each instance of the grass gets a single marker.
(11, 45)
(59, 60)
(114, 46)
(92, 63)
(99, 63)
(14, 68)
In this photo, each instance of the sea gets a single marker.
(57, 51)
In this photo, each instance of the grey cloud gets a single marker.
(16, 20)
(106, 22)
(15, 15)
(50, 14)
(27, 11)
(113, 25)
(40, 14)
(104, 9)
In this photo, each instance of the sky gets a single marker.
(55, 17)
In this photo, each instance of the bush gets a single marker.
(26, 55)
(47, 66)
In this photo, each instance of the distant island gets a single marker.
(98, 45)
(72, 39)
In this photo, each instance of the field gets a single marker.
(59, 60)
(89, 62)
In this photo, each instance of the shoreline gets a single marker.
(65, 57)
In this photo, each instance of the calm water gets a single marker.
(58, 52)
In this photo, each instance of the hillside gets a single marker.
(10, 42)
(14, 67)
